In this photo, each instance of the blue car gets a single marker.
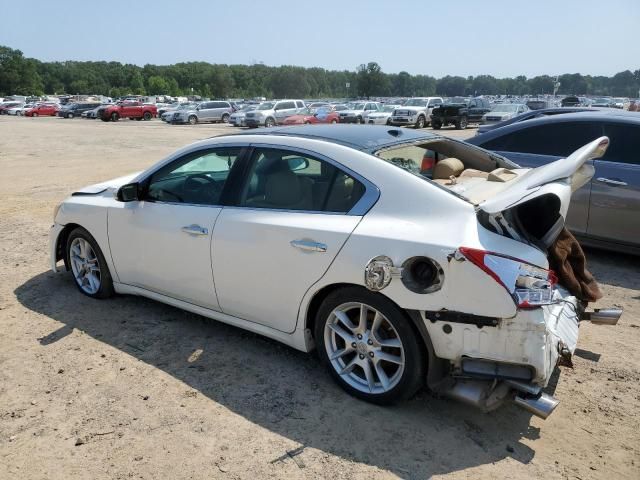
(606, 211)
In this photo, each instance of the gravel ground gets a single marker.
(130, 388)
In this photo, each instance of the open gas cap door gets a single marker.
(535, 204)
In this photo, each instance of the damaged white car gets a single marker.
(403, 257)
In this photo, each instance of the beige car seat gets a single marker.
(447, 168)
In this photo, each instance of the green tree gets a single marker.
(157, 85)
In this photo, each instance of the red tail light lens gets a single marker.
(530, 286)
(428, 162)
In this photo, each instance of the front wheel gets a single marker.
(88, 266)
(115, 117)
(436, 125)
(147, 116)
(420, 122)
(369, 346)
(69, 115)
(35, 115)
(334, 121)
(269, 122)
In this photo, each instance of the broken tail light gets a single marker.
(530, 286)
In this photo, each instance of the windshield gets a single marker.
(247, 108)
(504, 108)
(416, 102)
(601, 100)
(389, 108)
(357, 106)
(266, 106)
(339, 108)
(185, 106)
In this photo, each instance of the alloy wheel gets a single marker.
(364, 348)
(85, 266)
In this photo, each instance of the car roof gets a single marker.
(369, 138)
(618, 116)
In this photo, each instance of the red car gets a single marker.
(322, 115)
(127, 109)
(44, 110)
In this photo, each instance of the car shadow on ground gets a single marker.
(283, 390)
(612, 268)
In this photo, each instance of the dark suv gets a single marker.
(76, 109)
(460, 112)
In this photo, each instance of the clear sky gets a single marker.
(443, 37)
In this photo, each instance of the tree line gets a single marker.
(27, 76)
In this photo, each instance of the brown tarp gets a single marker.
(567, 260)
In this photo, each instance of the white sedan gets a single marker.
(399, 255)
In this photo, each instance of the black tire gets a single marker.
(436, 125)
(114, 117)
(105, 119)
(421, 122)
(462, 123)
(192, 120)
(270, 122)
(359, 120)
(412, 377)
(225, 118)
(147, 116)
(34, 115)
(389, 121)
(106, 282)
(69, 115)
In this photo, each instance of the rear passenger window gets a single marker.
(625, 143)
(285, 180)
(299, 104)
(557, 139)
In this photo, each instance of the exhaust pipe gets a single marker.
(603, 316)
(541, 406)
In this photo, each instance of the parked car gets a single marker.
(42, 110)
(358, 112)
(311, 116)
(621, 103)
(269, 114)
(4, 107)
(415, 112)
(603, 103)
(126, 109)
(459, 112)
(237, 119)
(19, 109)
(382, 117)
(537, 104)
(168, 114)
(571, 101)
(72, 110)
(502, 112)
(533, 114)
(210, 111)
(605, 212)
(172, 106)
(447, 299)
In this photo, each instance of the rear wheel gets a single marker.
(147, 116)
(88, 266)
(334, 121)
(35, 114)
(115, 117)
(369, 346)
(69, 115)
(461, 124)
(225, 118)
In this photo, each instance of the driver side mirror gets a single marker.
(128, 193)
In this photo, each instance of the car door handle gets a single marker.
(611, 181)
(195, 230)
(308, 245)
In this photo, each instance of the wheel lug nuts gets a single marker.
(371, 354)
(353, 345)
(359, 337)
(361, 357)
(369, 342)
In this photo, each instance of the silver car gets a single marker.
(503, 111)
(210, 111)
(272, 113)
(237, 119)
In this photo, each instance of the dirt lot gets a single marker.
(130, 388)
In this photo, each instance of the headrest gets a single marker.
(447, 168)
(283, 189)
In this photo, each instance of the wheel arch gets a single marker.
(436, 368)
(61, 241)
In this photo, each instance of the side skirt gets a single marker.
(294, 340)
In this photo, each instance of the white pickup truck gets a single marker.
(415, 111)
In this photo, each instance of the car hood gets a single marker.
(380, 114)
(350, 112)
(412, 109)
(109, 185)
